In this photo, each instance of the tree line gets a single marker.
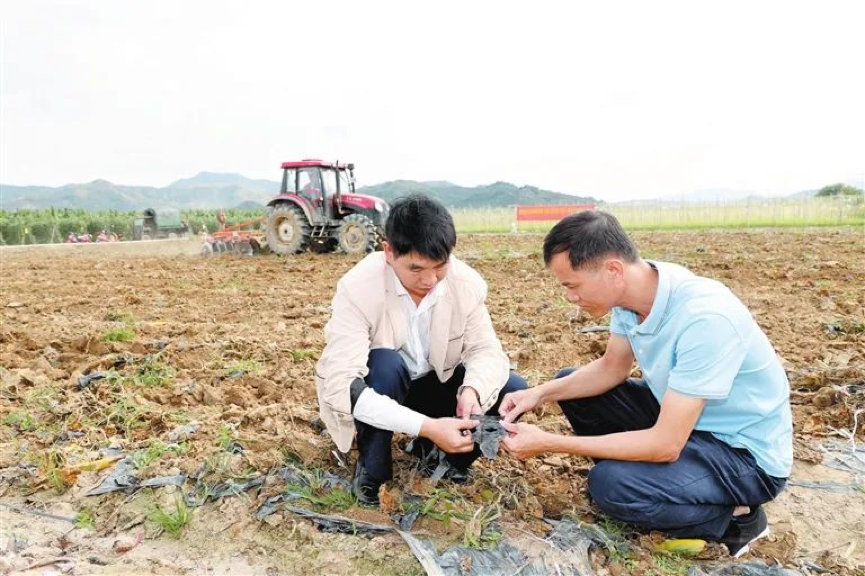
(53, 225)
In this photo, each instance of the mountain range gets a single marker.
(212, 190)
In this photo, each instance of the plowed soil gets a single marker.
(227, 345)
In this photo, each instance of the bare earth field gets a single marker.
(210, 375)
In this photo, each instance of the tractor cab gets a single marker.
(321, 184)
(317, 207)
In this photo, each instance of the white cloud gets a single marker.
(617, 99)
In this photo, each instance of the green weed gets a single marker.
(144, 456)
(226, 437)
(670, 566)
(21, 422)
(290, 457)
(172, 522)
(153, 372)
(613, 528)
(84, 520)
(480, 531)
(178, 417)
(52, 465)
(125, 415)
(125, 317)
(124, 334)
(301, 354)
(315, 490)
(242, 367)
(445, 506)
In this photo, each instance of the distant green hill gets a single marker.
(212, 190)
(205, 180)
(209, 190)
(490, 195)
(206, 190)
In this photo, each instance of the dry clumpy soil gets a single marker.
(210, 364)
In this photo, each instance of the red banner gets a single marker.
(550, 212)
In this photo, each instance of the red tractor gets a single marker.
(317, 208)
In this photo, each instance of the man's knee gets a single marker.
(388, 373)
(571, 406)
(564, 372)
(515, 382)
(608, 486)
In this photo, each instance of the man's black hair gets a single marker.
(587, 237)
(418, 223)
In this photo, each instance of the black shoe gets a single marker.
(744, 530)
(365, 488)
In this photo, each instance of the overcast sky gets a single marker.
(614, 99)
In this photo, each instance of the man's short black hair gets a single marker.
(418, 223)
(587, 237)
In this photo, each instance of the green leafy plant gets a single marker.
(125, 317)
(19, 421)
(315, 490)
(124, 334)
(480, 531)
(670, 566)
(301, 354)
(84, 520)
(144, 456)
(241, 367)
(445, 506)
(172, 522)
(153, 372)
(226, 437)
(52, 465)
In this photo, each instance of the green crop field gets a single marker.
(53, 225)
(838, 211)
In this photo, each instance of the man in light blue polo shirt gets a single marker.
(697, 445)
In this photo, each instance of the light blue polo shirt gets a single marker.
(701, 341)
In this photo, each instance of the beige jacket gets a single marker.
(366, 314)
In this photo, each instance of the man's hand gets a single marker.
(450, 434)
(525, 440)
(519, 402)
(468, 403)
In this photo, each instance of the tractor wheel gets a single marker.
(287, 230)
(245, 248)
(356, 234)
(379, 237)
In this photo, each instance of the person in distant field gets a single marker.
(410, 348)
(312, 189)
(704, 438)
(72, 238)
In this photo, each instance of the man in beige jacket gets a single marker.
(410, 348)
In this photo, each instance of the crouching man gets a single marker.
(410, 348)
(704, 438)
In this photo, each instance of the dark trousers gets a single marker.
(691, 497)
(389, 376)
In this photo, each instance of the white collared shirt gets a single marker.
(380, 411)
(415, 350)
